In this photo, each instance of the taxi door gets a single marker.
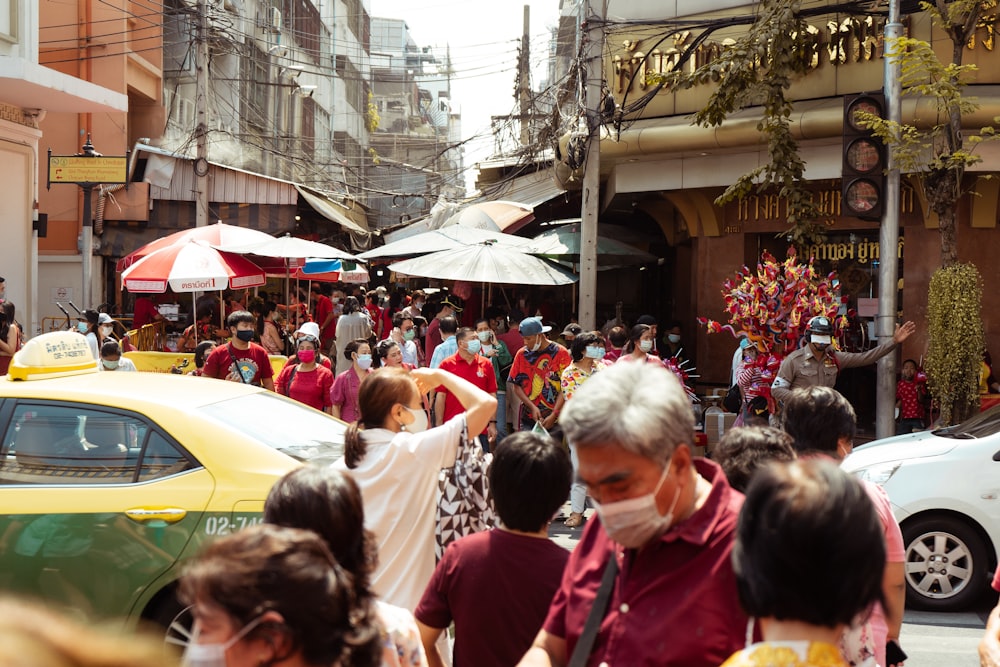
(95, 505)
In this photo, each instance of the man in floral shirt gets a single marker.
(535, 375)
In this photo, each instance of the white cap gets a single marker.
(104, 318)
(308, 329)
(819, 339)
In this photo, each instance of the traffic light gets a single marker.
(864, 159)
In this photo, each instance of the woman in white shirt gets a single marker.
(395, 460)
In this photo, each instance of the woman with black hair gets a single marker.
(640, 346)
(267, 595)
(10, 335)
(328, 502)
(267, 329)
(352, 325)
(201, 352)
(808, 558)
(344, 393)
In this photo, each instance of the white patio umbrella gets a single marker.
(563, 243)
(289, 247)
(446, 238)
(486, 263)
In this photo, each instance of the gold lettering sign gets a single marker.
(770, 207)
(854, 39)
(862, 251)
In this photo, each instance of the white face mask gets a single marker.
(484, 336)
(645, 345)
(419, 421)
(633, 522)
(674, 338)
(214, 655)
(537, 346)
(106, 331)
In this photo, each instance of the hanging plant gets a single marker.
(955, 331)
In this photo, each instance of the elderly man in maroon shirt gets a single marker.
(666, 530)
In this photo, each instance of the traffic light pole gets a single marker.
(885, 398)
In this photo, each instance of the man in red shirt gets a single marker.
(468, 365)
(144, 312)
(241, 359)
(324, 316)
(666, 529)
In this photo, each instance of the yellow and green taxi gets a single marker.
(110, 480)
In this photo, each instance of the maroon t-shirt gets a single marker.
(254, 364)
(144, 312)
(674, 602)
(496, 586)
(324, 306)
(432, 338)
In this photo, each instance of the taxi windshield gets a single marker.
(289, 427)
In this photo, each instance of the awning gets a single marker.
(29, 85)
(332, 210)
(532, 190)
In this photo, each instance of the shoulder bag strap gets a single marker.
(229, 349)
(291, 377)
(597, 611)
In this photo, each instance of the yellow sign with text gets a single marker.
(73, 169)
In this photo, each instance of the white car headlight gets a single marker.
(880, 473)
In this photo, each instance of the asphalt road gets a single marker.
(931, 639)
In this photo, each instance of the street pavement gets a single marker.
(931, 639)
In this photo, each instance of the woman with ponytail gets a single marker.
(395, 460)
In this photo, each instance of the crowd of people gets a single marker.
(690, 561)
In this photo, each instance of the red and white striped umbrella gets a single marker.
(219, 234)
(191, 266)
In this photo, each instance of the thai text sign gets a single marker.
(75, 169)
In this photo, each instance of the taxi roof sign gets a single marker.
(50, 355)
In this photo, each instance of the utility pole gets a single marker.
(87, 236)
(201, 112)
(593, 74)
(524, 78)
(885, 397)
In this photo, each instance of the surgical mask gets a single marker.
(418, 305)
(307, 356)
(484, 336)
(474, 346)
(537, 346)
(645, 345)
(419, 421)
(245, 335)
(364, 361)
(594, 352)
(214, 655)
(409, 334)
(633, 522)
(81, 327)
(674, 338)
(110, 365)
(487, 349)
(106, 331)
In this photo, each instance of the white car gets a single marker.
(945, 491)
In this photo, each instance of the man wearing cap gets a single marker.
(536, 375)
(433, 337)
(569, 334)
(817, 363)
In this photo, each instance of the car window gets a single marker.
(284, 424)
(72, 445)
(162, 459)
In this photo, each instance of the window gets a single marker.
(80, 445)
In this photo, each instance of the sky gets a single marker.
(484, 37)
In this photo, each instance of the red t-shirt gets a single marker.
(309, 387)
(323, 308)
(491, 566)
(908, 395)
(479, 372)
(432, 339)
(513, 340)
(684, 581)
(144, 312)
(254, 364)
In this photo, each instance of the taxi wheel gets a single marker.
(174, 618)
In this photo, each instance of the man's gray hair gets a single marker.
(637, 406)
